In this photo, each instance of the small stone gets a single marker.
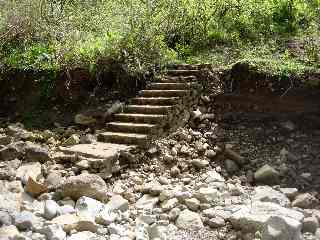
(182, 196)
(89, 206)
(196, 114)
(235, 190)
(291, 193)
(83, 164)
(67, 201)
(147, 202)
(267, 194)
(288, 125)
(79, 222)
(147, 219)
(310, 224)
(72, 140)
(106, 217)
(116, 229)
(85, 235)
(157, 232)
(54, 232)
(53, 179)
(193, 204)
(216, 222)
(38, 236)
(282, 228)
(214, 176)
(231, 166)
(189, 220)
(267, 175)
(207, 195)
(36, 153)
(166, 194)
(169, 204)
(155, 189)
(167, 158)
(89, 185)
(307, 176)
(198, 163)
(11, 195)
(88, 139)
(174, 213)
(83, 119)
(255, 216)
(234, 156)
(24, 220)
(51, 209)
(9, 232)
(211, 154)
(27, 170)
(305, 200)
(66, 209)
(117, 203)
(5, 218)
(163, 180)
(175, 171)
(35, 188)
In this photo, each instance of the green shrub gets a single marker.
(44, 34)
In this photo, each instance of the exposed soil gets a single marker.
(278, 125)
(40, 99)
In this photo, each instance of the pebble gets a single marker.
(231, 166)
(305, 200)
(310, 224)
(193, 204)
(216, 222)
(54, 232)
(24, 220)
(267, 175)
(189, 220)
(175, 171)
(51, 209)
(198, 163)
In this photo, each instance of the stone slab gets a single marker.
(97, 150)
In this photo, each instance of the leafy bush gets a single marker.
(53, 34)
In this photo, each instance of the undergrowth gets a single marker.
(281, 36)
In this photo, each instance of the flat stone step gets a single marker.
(190, 66)
(171, 85)
(147, 109)
(183, 66)
(164, 93)
(140, 118)
(178, 79)
(143, 128)
(123, 138)
(184, 72)
(154, 100)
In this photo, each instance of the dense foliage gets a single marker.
(55, 34)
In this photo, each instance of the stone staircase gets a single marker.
(162, 106)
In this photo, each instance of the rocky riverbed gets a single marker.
(237, 180)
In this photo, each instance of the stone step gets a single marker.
(183, 66)
(164, 93)
(140, 118)
(190, 66)
(147, 109)
(155, 101)
(171, 85)
(184, 72)
(143, 128)
(178, 79)
(123, 138)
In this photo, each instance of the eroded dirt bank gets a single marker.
(249, 173)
